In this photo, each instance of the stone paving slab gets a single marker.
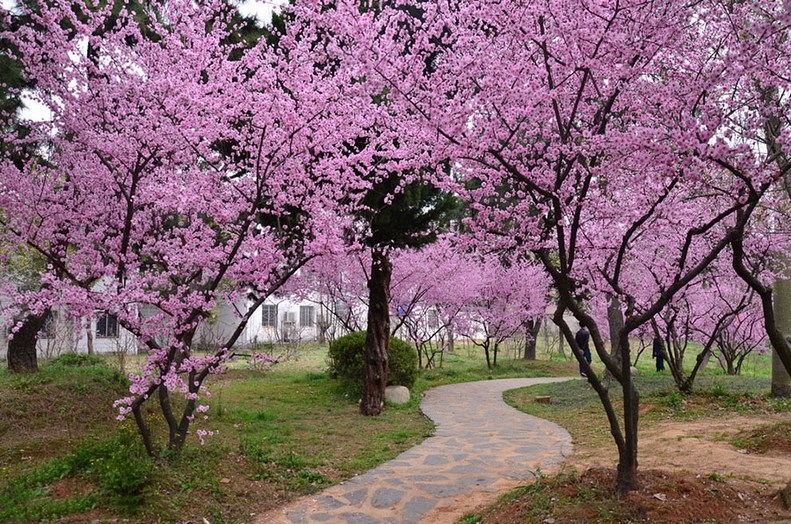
(479, 443)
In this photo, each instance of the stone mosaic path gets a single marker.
(480, 448)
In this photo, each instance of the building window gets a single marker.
(269, 315)
(107, 326)
(342, 310)
(50, 323)
(306, 316)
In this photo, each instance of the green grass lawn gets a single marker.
(279, 434)
(576, 406)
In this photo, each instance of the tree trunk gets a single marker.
(532, 327)
(377, 340)
(626, 440)
(615, 322)
(781, 380)
(781, 303)
(22, 356)
(89, 337)
(626, 479)
(770, 303)
(323, 322)
(704, 361)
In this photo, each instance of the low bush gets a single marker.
(118, 466)
(345, 359)
(78, 360)
(402, 363)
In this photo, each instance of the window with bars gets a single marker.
(269, 315)
(107, 326)
(307, 316)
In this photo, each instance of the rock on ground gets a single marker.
(397, 394)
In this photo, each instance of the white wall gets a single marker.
(71, 336)
(289, 327)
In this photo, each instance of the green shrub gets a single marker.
(119, 466)
(345, 356)
(126, 472)
(345, 359)
(123, 472)
(402, 363)
(77, 360)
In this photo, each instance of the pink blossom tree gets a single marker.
(503, 300)
(182, 171)
(431, 286)
(444, 290)
(416, 276)
(588, 134)
(741, 336)
(750, 263)
(709, 312)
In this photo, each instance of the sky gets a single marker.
(261, 10)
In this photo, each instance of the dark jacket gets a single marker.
(581, 338)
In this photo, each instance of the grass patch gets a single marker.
(461, 366)
(770, 438)
(279, 434)
(592, 499)
(712, 393)
(115, 471)
(576, 407)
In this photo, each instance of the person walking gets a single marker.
(582, 338)
(658, 354)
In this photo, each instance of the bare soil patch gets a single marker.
(704, 447)
(662, 497)
(690, 472)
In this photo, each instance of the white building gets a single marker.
(279, 320)
(60, 334)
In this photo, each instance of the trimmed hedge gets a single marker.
(345, 360)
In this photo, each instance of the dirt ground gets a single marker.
(704, 447)
(690, 472)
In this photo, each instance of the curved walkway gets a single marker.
(481, 447)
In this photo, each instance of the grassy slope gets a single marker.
(279, 435)
(576, 407)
